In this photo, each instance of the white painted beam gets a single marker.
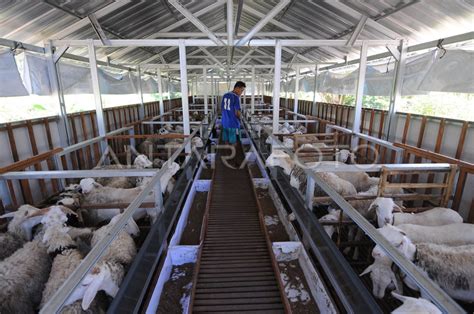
(184, 91)
(359, 94)
(122, 52)
(267, 18)
(357, 30)
(85, 21)
(200, 25)
(276, 87)
(373, 24)
(98, 29)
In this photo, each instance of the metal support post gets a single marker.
(204, 82)
(97, 98)
(184, 93)
(396, 93)
(141, 111)
(252, 101)
(297, 88)
(276, 87)
(56, 93)
(160, 91)
(310, 184)
(313, 109)
(359, 93)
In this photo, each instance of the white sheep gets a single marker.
(333, 217)
(142, 161)
(452, 234)
(66, 258)
(19, 230)
(450, 267)
(288, 142)
(114, 182)
(163, 131)
(437, 216)
(108, 273)
(383, 278)
(196, 142)
(345, 156)
(414, 305)
(361, 180)
(24, 273)
(105, 276)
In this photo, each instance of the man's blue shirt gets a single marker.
(229, 105)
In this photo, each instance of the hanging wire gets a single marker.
(440, 47)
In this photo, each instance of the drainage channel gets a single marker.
(236, 269)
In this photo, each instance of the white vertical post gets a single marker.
(169, 86)
(396, 93)
(286, 96)
(252, 101)
(213, 93)
(310, 184)
(140, 89)
(192, 89)
(313, 109)
(297, 88)
(160, 91)
(276, 87)
(96, 90)
(184, 91)
(141, 111)
(64, 130)
(204, 74)
(359, 93)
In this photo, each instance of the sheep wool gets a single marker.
(22, 278)
(451, 267)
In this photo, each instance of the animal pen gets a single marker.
(157, 218)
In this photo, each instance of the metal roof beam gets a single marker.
(121, 52)
(355, 14)
(98, 29)
(357, 30)
(85, 21)
(193, 19)
(267, 18)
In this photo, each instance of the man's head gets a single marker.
(239, 87)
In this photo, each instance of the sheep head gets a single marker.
(163, 131)
(103, 277)
(384, 209)
(280, 159)
(382, 278)
(398, 239)
(414, 305)
(333, 216)
(21, 223)
(346, 156)
(88, 185)
(142, 161)
(131, 227)
(197, 142)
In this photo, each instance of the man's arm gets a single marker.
(237, 107)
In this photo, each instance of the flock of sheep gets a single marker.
(436, 240)
(41, 249)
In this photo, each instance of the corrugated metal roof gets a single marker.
(418, 21)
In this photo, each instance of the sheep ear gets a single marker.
(397, 208)
(399, 297)
(8, 215)
(92, 290)
(366, 271)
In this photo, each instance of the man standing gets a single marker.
(230, 109)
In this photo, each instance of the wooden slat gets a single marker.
(462, 138)
(94, 134)
(461, 183)
(11, 139)
(85, 137)
(34, 149)
(406, 128)
(439, 140)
